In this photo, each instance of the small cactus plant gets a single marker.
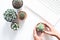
(17, 3)
(22, 15)
(10, 15)
(40, 27)
(14, 26)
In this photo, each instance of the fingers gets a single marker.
(47, 32)
(34, 32)
(42, 34)
(45, 25)
(45, 21)
(35, 35)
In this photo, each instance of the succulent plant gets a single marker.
(40, 27)
(10, 15)
(17, 3)
(14, 26)
(22, 15)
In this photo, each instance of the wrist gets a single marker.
(57, 35)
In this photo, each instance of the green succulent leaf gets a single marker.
(10, 15)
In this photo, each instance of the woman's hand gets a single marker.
(52, 31)
(36, 36)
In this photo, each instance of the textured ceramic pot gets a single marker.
(17, 4)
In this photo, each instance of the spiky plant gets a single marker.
(17, 3)
(22, 15)
(14, 26)
(40, 27)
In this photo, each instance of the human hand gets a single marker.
(36, 36)
(51, 31)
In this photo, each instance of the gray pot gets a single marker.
(17, 4)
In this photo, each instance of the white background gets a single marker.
(34, 10)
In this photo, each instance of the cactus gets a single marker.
(22, 15)
(40, 27)
(10, 15)
(17, 3)
(14, 26)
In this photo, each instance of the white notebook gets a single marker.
(53, 5)
(42, 10)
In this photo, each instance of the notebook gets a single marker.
(41, 10)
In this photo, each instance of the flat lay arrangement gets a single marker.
(27, 20)
(11, 15)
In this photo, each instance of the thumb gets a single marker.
(47, 32)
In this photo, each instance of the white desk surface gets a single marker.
(31, 7)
